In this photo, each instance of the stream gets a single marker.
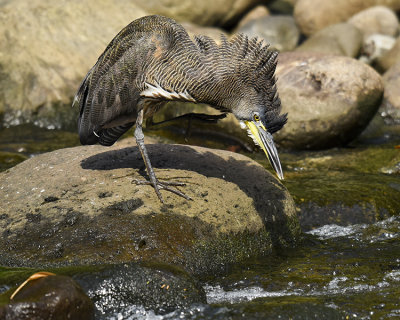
(338, 271)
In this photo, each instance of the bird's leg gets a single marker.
(157, 185)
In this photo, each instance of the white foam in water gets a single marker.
(330, 231)
(334, 283)
(393, 276)
(216, 294)
(135, 313)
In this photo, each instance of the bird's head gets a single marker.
(252, 95)
(238, 77)
(261, 118)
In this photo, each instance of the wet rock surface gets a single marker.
(78, 206)
(329, 99)
(345, 186)
(53, 297)
(155, 287)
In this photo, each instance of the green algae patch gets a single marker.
(343, 186)
(360, 159)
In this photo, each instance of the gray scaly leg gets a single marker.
(157, 185)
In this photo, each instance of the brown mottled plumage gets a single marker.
(153, 60)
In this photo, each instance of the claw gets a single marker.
(164, 186)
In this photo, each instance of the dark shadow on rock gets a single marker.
(249, 178)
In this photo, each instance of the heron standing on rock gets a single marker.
(153, 61)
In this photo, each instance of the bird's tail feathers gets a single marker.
(108, 136)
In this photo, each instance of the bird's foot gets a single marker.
(165, 185)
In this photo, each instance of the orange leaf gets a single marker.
(37, 275)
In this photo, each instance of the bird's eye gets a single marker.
(256, 117)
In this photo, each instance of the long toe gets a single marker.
(164, 185)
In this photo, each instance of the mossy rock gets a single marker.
(79, 206)
(344, 186)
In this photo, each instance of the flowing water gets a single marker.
(350, 272)
(336, 272)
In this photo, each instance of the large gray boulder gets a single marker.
(79, 205)
(330, 99)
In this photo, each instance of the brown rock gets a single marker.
(312, 15)
(375, 46)
(42, 67)
(378, 19)
(212, 32)
(79, 205)
(339, 39)
(390, 108)
(47, 47)
(52, 297)
(256, 13)
(205, 13)
(389, 58)
(330, 99)
(279, 31)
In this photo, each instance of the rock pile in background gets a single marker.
(49, 47)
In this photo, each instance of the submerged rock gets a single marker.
(78, 205)
(52, 297)
(329, 99)
(344, 186)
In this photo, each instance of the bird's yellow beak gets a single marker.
(264, 139)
